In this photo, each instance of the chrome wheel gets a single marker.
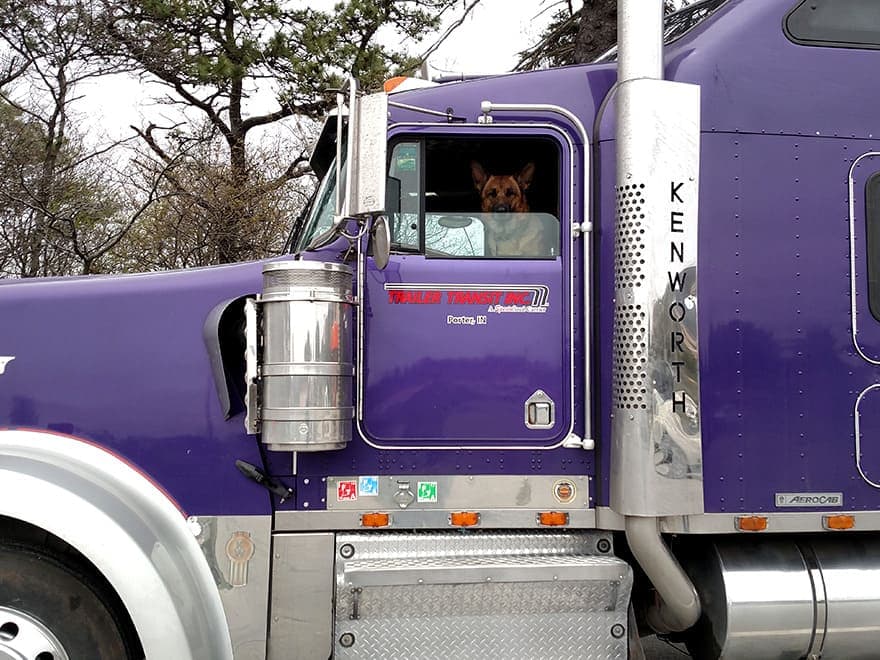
(22, 637)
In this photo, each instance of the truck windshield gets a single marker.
(321, 214)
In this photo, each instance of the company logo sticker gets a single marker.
(347, 491)
(427, 491)
(497, 298)
(368, 486)
(809, 499)
(4, 360)
(564, 491)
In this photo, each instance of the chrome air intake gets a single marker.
(801, 598)
(306, 370)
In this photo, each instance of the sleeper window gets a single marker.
(872, 234)
(841, 23)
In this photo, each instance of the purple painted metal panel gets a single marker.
(120, 361)
(430, 381)
(581, 89)
(779, 372)
(779, 366)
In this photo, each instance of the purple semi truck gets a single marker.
(559, 359)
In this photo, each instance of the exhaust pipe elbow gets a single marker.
(678, 607)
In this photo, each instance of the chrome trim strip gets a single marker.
(601, 518)
(858, 434)
(128, 528)
(778, 522)
(852, 260)
(424, 111)
(315, 521)
(570, 268)
(586, 227)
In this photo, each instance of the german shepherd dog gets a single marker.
(508, 236)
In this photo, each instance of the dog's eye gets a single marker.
(510, 192)
(493, 193)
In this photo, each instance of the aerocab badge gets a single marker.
(4, 360)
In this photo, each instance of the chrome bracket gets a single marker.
(251, 369)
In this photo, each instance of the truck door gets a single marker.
(466, 336)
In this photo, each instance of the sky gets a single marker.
(492, 35)
(487, 42)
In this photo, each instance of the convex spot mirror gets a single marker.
(380, 238)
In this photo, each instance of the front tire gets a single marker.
(53, 609)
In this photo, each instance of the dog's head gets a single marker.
(503, 193)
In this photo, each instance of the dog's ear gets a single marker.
(479, 175)
(524, 178)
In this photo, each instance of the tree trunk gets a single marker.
(597, 30)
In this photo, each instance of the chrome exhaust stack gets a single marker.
(656, 464)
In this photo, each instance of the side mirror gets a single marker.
(367, 152)
(380, 238)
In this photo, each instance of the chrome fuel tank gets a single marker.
(787, 598)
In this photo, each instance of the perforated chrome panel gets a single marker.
(630, 376)
(629, 237)
(511, 596)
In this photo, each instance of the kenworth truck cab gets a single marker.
(638, 395)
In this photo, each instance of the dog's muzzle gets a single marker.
(501, 208)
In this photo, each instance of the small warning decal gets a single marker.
(347, 491)
(427, 491)
(368, 486)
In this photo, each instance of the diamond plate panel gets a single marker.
(583, 615)
(555, 637)
(498, 544)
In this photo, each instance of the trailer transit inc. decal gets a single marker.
(498, 298)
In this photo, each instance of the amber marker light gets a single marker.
(838, 522)
(464, 518)
(375, 520)
(391, 83)
(553, 518)
(751, 523)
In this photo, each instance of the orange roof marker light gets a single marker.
(464, 519)
(375, 520)
(840, 521)
(751, 523)
(553, 518)
(404, 83)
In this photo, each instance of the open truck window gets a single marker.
(493, 198)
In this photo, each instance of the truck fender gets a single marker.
(128, 527)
